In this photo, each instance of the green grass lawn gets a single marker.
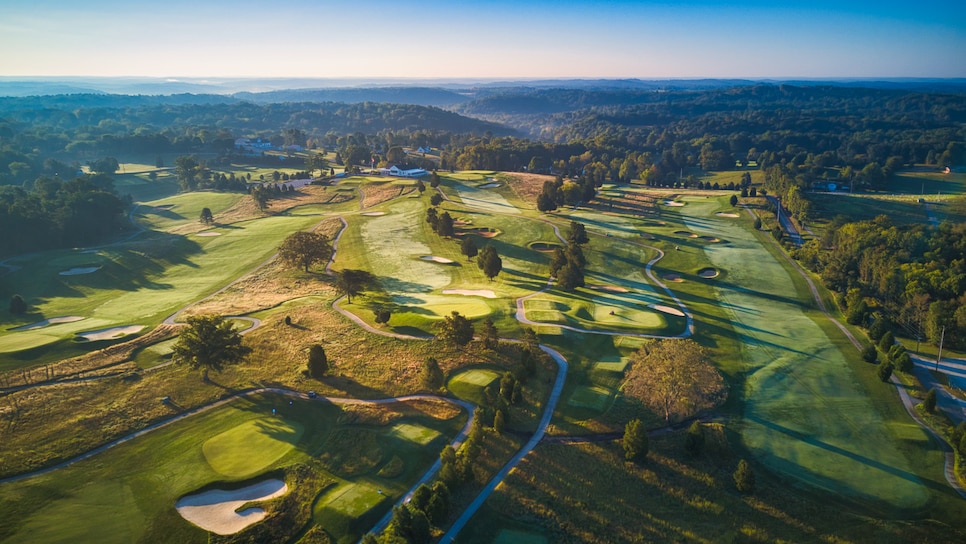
(128, 493)
(469, 384)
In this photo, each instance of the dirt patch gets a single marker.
(667, 309)
(485, 293)
(47, 322)
(673, 277)
(708, 273)
(218, 511)
(435, 259)
(109, 334)
(77, 271)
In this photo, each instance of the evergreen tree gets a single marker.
(456, 329)
(577, 234)
(499, 422)
(886, 342)
(489, 335)
(884, 371)
(468, 248)
(694, 440)
(757, 223)
(431, 375)
(635, 441)
(869, 354)
(489, 262)
(744, 477)
(929, 403)
(444, 227)
(318, 362)
(733, 200)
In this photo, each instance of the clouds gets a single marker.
(492, 38)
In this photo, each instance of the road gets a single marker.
(786, 221)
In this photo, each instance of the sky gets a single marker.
(484, 39)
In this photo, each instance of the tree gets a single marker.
(635, 441)
(431, 375)
(869, 354)
(18, 305)
(733, 200)
(489, 335)
(318, 363)
(436, 199)
(305, 249)
(904, 363)
(757, 223)
(261, 194)
(674, 377)
(577, 234)
(570, 277)
(209, 342)
(206, 216)
(456, 329)
(499, 422)
(352, 282)
(444, 227)
(489, 262)
(694, 440)
(381, 316)
(434, 180)
(744, 477)
(557, 261)
(432, 218)
(187, 169)
(929, 403)
(438, 505)
(468, 248)
(884, 372)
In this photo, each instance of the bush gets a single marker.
(499, 422)
(884, 372)
(904, 363)
(929, 403)
(694, 440)
(869, 354)
(318, 362)
(635, 441)
(887, 341)
(431, 375)
(744, 477)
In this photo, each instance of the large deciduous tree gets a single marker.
(468, 248)
(489, 262)
(675, 378)
(456, 329)
(209, 342)
(577, 234)
(206, 216)
(304, 249)
(351, 282)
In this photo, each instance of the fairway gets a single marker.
(483, 199)
(594, 397)
(805, 416)
(251, 446)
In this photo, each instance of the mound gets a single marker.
(217, 510)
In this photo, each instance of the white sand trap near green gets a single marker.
(485, 293)
(484, 199)
(609, 288)
(372, 214)
(111, 333)
(252, 446)
(48, 322)
(435, 259)
(490, 186)
(805, 414)
(218, 511)
(209, 233)
(77, 271)
(708, 273)
(667, 310)
(726, 214)
(673, 203)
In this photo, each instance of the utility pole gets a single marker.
(939, 357)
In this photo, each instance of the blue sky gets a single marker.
(485, 39)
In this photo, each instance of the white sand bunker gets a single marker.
(372, 214)
(726, 214)
(110, 334)
(435, 259)
(673, 277)
(78, 270)
(611, 288)
(489, 185)
(667, 310)
(708, 273)
(485, 293)
(209, 233)
(47, 322)
(217, 511)
(673, 203)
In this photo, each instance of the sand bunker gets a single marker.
(711, 239)
(209, 233)
(673, 203)
(726, 214)
(47, 322)
(673, 277)
(708, 273)
(667, 310)
(109, 334)
(611, 288)
(489, 185)
(435, 259)
(217, 511)
(485, 293)
(78, 270)
(372, 214)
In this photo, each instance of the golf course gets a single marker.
(265, 450)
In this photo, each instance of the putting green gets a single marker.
(250, 447)
(469, 384)
(805, 414)
(414, 433)
(593, 397)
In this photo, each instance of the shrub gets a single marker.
(887, 341)
(744, 477)
(431, 375)
(929, 403)
(499, 422)
(318, 362)
(884, 371)
(869, 354)
(904, 363)
(635, 441)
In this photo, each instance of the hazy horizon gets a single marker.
(488, 40)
